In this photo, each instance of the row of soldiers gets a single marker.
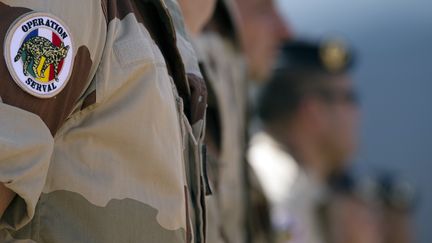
(293, 185)
(146, 138)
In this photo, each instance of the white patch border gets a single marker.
(68, 61)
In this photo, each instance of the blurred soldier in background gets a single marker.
(309, 114)
(222, 63)
(220, 50)
(224, 70)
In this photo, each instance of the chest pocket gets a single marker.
(133, 50)
(130, 52)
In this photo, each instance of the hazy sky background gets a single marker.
(394, 75)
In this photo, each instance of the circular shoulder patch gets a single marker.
(39, 54)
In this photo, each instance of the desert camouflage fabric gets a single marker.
(113, 157)
(237, 211)
(232, 197)
(225, 71)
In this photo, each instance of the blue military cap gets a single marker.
(328, 55)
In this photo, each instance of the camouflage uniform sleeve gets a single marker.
(36, 100)
(24, 159)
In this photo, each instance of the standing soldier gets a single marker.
(222, 63)
(75, 74)
(310, 116)
(224, 69)
(221, 52)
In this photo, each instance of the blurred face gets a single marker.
(196, 14)
(339, 118)
(262, 30)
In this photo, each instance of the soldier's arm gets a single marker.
(25, 149)
(34, 106)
